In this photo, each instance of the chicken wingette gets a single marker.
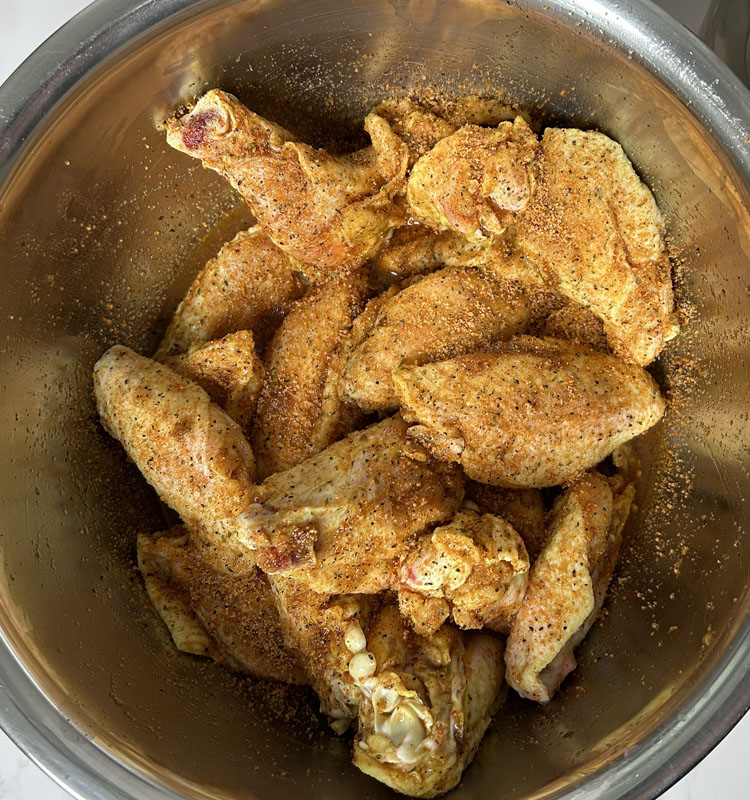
(324, 211)
(567, 584)
(611, 259)
(300, 412)
(185, 446)
(250, 285)
(533, 413)
(447, 313)
(473, 570)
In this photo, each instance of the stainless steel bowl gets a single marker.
(101, 228)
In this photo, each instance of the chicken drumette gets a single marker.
(324, 211)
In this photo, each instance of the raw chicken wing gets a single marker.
(300, 413)
(209, 612)
(229, 370)
(596, 233)
(449, 312)
(418, 127)
(357, 507)
(186, 447)
(250, 285)
(567, 585)
(325, 211)
(325, 632)
(476, 181)
(537, 412)
(474, 569)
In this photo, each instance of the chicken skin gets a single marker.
(250, 285)
(322, 210)
(567, 585)
(475, 181)
(209, 612)
(474, 570)
(354, 510)
(416, 250)
(447, 313)
(575, 323)
(522, 508)
(185, 446)
(426, 702)
(300, 413)
(534, 413)
(418, 127)
(230, 372)
(610, 259)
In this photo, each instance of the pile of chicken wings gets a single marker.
(359, 401)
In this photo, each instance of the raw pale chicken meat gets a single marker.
(522, 508)
(354, 511)
(187, 448)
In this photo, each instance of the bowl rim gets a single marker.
(697, 78)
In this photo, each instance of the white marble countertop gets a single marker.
(724, 774)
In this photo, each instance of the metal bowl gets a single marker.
(102, 227)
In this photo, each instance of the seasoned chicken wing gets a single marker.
(300, 413)
(230, 618)
(576, 324)
(537, 412)
(326, 632)
(610, 259)
(416, 125)
(476, 181)
(322, 210)
(426, 703)
(186, 447)
(416, 249)
(250, 285)
(229, 370)
(410, 251)
(474, 570)
(567, 585)
(356, 509)
(522, 508)
(449, 312)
